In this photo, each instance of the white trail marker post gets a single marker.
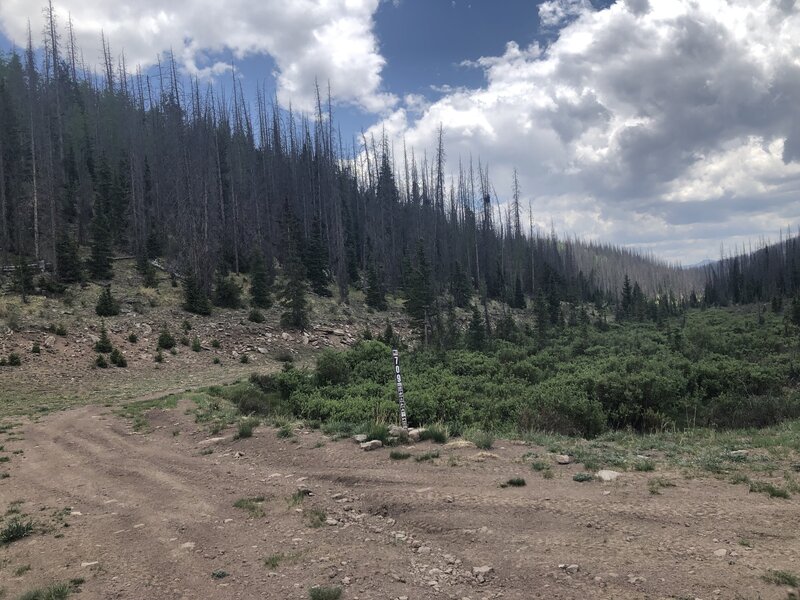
(401, 399)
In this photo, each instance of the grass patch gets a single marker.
(437, 433)
(315, 518)
(20, 571)
(655, 484)
(399, 455)
(644, 465)
(219, 574)
(773, 491)
(251, 505)
(15, 529)
(298, 497)
(582, 477)
(540, 465)
(246, 426)
(273, 561)
(285, 431)
(325, 593)
(427, 456)
(782, 578)
(56, 591)
(136, 411)
(482, 439)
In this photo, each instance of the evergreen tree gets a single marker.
(104, 343)
(316, 261)
(293, 295)
(70, 269)
(419, 294)
(542, 312)
(100, 264)
(376, 294)
(194, 298)
(476, 334)
(227, 293)
(107, 305)
(519, 296)
(146, 270)
(460, 287)
(259, 282)
(23, 279)
(626, 305)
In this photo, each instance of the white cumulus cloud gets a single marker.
(669, 124)
(309, 40)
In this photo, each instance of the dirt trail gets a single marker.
(155, 516)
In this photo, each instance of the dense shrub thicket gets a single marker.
(716, 367)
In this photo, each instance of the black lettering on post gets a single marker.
(401, 399)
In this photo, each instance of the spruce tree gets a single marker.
(100, 265)
(107, 305)
(259, 282)
(626, 304)
(460, 287)
(316, 261)
(519, 296)
(146, 270)
(476, 334)
(419, 294)
(104, 343)
(376, 294)
(23, 279)
(194, 298)
(227, 293)
(293, 295)
(70, 269)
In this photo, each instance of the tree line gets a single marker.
(154, 164)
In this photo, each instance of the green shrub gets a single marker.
(36, 349)
(15, 529)
(184, 340)
(256, 316)
(771, 490)
(244, 359)
(196, 344)
(215, 343)
(165, 340)
(101, 362)
(103, 345)
(332, 368)
(61, 330)
(283, 355)
(14, 360)
(582, 477)
(133, 338)
(159, 357)
(325, 593)
(782, 578)
(399, 455)
(515, 482)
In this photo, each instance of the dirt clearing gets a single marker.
(153, 515)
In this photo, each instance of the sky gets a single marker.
(672, 126)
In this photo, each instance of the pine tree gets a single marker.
(627, 298)
(259, 282)
(376, 294)
(100, 264)
(419, 294)
(70, 269)
(460, 287)
(146, 270)
(316, 261)
(227, 293)
(476, 334)
(104, 343)
(519, 296)
(542, 312)
(293, 295)
(107, 305)
(194, 298)
(23, 279)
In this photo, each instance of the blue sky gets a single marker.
(667, 125)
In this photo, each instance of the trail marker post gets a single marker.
(401, 399)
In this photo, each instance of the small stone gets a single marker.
(607, 475)
(424, 550)
(456, 444)
(720, 553)
(331, 522)
(572, 568)
(371, 445)
(563, 459)
(397, 431)
(482, 571)
(187, 545)
(360, 438)
(414, 434)
(739, 453)
(90, 564)
(49, 341)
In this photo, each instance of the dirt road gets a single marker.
(152, 516)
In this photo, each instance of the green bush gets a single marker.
(117, 358)
(482, 439)
(101, 362)
(196, 344)
(436, 432)
(165, 340)
(107, 305)
(256, 316)
(332, 368)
